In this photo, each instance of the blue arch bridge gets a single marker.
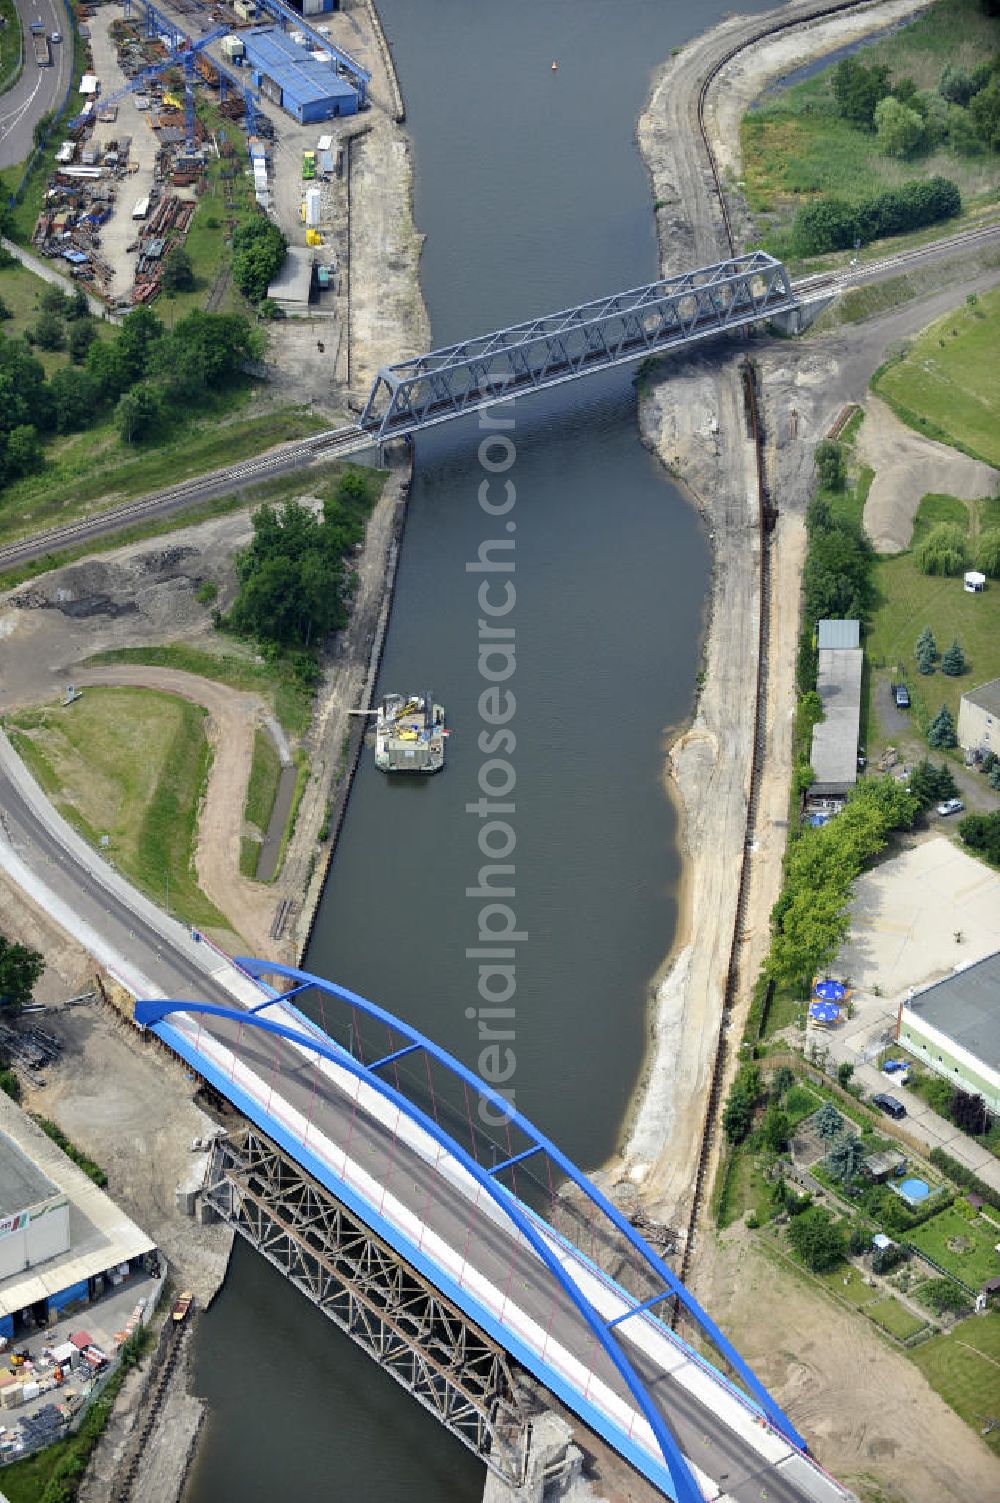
(463, 1250)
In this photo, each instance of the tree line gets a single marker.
(294, 578)
(962, 112)
(146, 375)
(834, 224)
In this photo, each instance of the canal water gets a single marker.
(533, 196)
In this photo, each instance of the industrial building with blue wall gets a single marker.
(301, 82)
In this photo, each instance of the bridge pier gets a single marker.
(553, 1468)
(420, 1338)
(797, 320)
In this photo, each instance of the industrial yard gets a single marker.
(187, 122)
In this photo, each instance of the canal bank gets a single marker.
(694, 418)
(610, 570)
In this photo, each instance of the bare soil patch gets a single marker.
(907, 467)
(870, 1415)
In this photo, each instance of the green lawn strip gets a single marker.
(249, 855)
(894, 1317)
(847, 1283)
(967, 1381)
(972, 1255)
(906, 602)
(745, 1189)
(96, 467)
(301, 782)
(262, 787)
(131, 764)
(945, 385)
(12, 44)
(231, 665)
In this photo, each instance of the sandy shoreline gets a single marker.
(692, 420)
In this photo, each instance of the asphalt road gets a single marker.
(158, 951)
(496, 1252)
(38, 90)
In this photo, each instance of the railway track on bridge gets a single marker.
(766, 518)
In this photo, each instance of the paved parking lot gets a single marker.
(907, 912)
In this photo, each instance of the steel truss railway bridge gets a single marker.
(459, 1246)
(566, 346)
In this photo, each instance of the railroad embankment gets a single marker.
(692, 415)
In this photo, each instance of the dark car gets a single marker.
(889, 1105)
(901, 695)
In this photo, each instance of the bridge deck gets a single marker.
(385, 1167)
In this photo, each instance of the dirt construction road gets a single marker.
(233, 717)
(907, 466)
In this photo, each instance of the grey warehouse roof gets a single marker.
(985, 696)
(835, 634)
(294, 278)
(965, 1007)
(22, 1183)
(834, 756)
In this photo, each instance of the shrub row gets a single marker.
(964, 1177)
(834, 224)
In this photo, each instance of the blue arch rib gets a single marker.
(148, 1012)
(776, 1416)
(683, 1480)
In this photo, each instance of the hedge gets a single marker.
(834, 224)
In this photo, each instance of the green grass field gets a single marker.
(233, 664)
(129, 764)
(262, 788)
(11, 49)
(907, 601)
(945, 386)
(796, 146)
(21, 291)
(963, 1248)
(895, 1318)
(965, 1379)
(90, 471)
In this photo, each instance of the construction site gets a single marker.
(168, 130)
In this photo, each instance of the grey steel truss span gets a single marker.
(355, 1278)
(565, 346)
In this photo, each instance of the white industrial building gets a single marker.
(979, 718)
(63, 1241)
(834, 755)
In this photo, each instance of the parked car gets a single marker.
(889, 1105)
(901, 696)
(951, 806)
(893, 1066)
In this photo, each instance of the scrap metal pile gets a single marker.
(85, 188)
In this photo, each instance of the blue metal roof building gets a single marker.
(289, 75)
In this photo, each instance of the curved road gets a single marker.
(38, 90)
(153, 955)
